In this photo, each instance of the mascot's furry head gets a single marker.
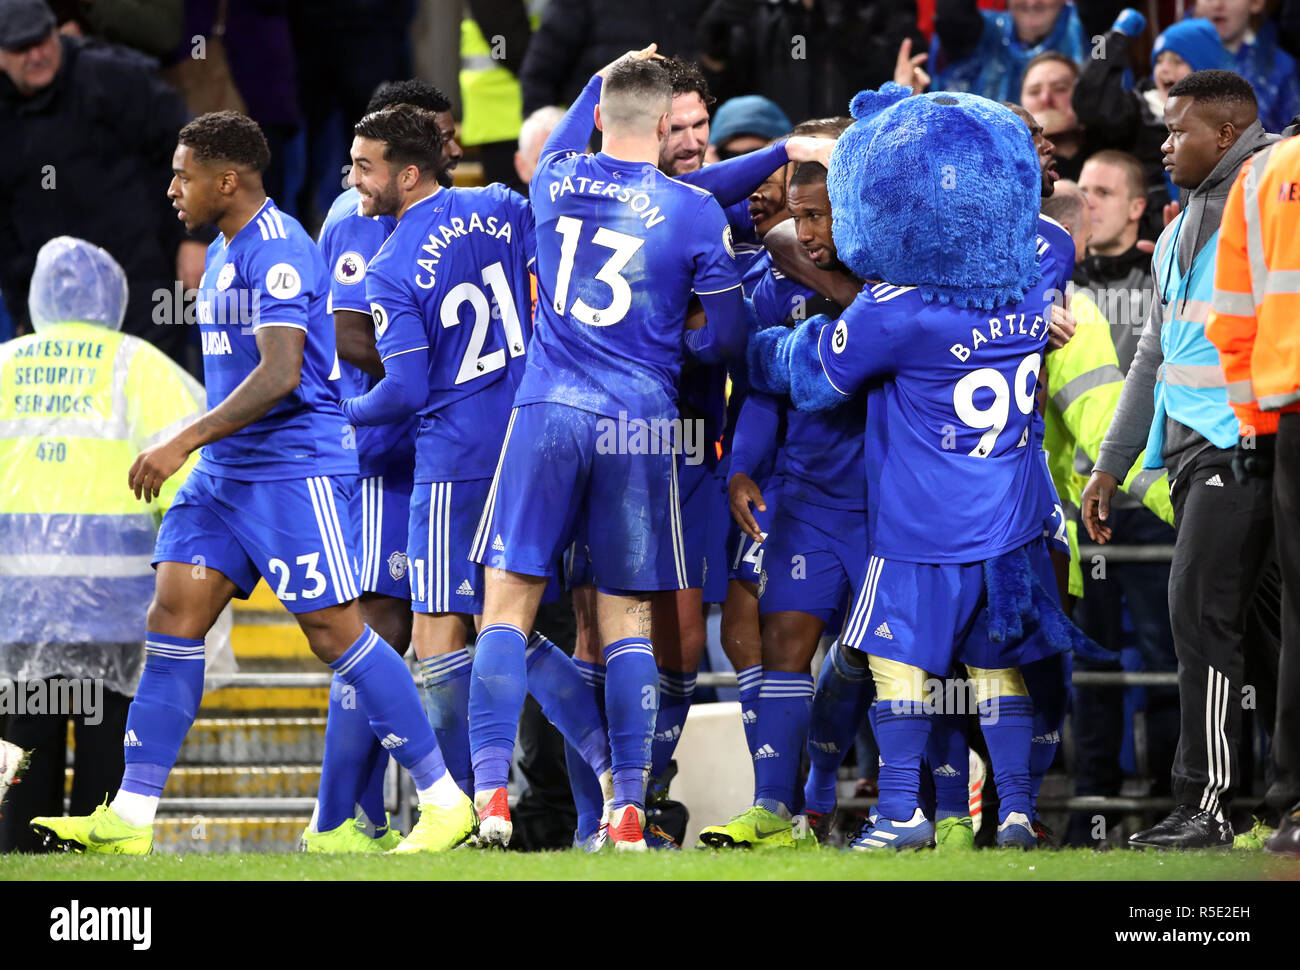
(938, 191)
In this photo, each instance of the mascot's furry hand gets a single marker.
(785, 362)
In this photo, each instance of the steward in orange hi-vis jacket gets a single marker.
(1255, 323)
(1257, 289)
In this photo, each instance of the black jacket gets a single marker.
(90, 156)
(1116, 118)
(576, 38)
(810, 62)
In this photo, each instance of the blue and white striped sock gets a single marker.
(843, 692)
(751, 679)
(387, 695)
(444, 689)
(160, 716)
(496, 699)
(631, 704)
(676, 689)
(784, 708)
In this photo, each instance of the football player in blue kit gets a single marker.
(354, 764)
(751, 222)
(953, 480)
(678, 632)
(450, 292)
(270, 498)
(620, 250)
(814, 552)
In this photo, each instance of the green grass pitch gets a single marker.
(465, 864)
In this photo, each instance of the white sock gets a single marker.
(135, 809)
(315, 814)
(443, 793)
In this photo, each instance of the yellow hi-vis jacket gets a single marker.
(1255, 321)
(1083, 387)
(492, 102)
(78, 402)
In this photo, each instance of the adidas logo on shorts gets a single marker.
(129, 740)
(393, 741)
(1216, 481)
(883, 631)
(465, 588)
(498, 545)
(765, 752)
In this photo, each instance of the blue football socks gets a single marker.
(631, 705)
(164, 707)
(902, 730)
(496, 699)
(675, 692)
(387, 695)
(444, 689)
(784, 708)
(844, 690)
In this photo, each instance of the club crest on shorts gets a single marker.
(397, 565)
(762, 583)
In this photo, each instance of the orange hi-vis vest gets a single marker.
(1255, 320)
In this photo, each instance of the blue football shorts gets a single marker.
(444, 518)
(813, 558)
(296, 533)
(553, 484)
(931, 615)
(383, 511)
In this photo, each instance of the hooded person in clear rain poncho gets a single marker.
(78, 401)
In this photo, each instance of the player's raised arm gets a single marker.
(717, 284)
(574, 130)
(274, 378)
(782, 242)
(736, 178)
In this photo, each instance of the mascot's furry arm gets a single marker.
(785, 361)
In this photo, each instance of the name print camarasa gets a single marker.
(443, 236)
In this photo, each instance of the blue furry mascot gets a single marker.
(935, 202)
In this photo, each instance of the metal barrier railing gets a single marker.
(1119, 553)
(1084, 678)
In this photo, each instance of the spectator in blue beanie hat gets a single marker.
(1256, 56)
(744, 124)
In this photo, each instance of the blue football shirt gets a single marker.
(620, 249)
(821, 459)
(271, 274)
(953, 475)
(348, 242)
(454, 278)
